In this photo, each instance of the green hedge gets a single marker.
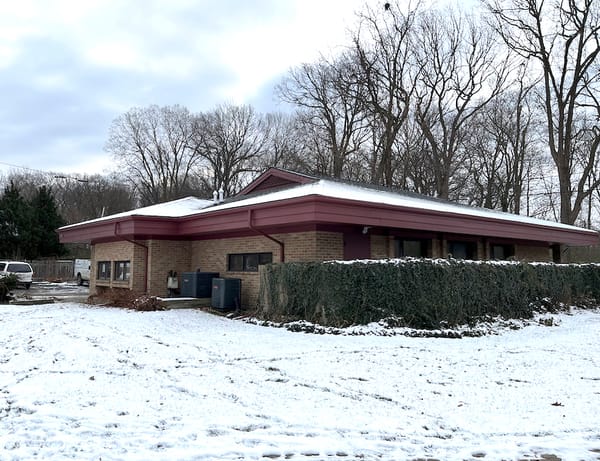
(423, 293)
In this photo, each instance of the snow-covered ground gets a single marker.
(90, 383)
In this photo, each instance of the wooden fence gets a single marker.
(53, 270)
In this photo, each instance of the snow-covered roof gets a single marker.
(174, 209)
(191, 206)
(340, 190)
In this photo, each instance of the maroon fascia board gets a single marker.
(275, 172)
(341, 210)
(316, 209)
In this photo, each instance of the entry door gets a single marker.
(357, 246)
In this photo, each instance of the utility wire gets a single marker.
(56, 176)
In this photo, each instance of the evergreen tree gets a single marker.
(15, 224)
(45, 221)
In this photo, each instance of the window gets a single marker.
(19, 268)
(248, 262)
(462, 250)
(103, 270)
(122, 270)
(415, 248)
(501, 251)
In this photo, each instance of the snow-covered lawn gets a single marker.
(90, 383)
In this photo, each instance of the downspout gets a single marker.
(145, 247)
(270, 237)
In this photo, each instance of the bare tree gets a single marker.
(328, 96)
(230, 140)
(91, 197)
(413, 170)
(458, 75)
(151, 146)
(502, 144)
(383, 49)
(562, 37)
(285, 145)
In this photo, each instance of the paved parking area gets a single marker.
(64, 291)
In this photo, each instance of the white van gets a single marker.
(22, 270)
(81, 271)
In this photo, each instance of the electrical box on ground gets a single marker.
(226, 294)
(197, 284)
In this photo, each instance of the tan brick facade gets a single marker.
(532, 253)
(382, 247)
(118, 251)
(212, 256)
(165, 256)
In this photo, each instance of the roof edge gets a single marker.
(291, 176)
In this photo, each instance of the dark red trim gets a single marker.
(270, 237)
(295, 214)
(275, 178)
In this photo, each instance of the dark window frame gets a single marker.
(400, 250)
(508, 251)
(469, 246)
(248, 262)
(122, 270)
(104, 270)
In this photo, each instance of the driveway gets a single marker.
(45, 291)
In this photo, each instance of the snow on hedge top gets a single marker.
(191, 206)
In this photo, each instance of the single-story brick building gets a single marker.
(287, 216)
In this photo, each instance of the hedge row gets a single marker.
(422, 293)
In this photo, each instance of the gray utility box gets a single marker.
(197, 284)
(226, 294)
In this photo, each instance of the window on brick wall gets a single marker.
(122, 270)
(247, 262)
(103, 270)
(462, 250)
(501, 251)
(415, 248)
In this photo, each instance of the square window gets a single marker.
(103, 270)
(463, 250)
(122, 270)
(265, 258)
(236, 263)
(251, 263)
(502, 252)
(415, 248)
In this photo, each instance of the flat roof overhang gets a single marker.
(316, 210)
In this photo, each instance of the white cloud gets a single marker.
(70, 67)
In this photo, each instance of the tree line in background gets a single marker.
(28, 224)
(497, 108)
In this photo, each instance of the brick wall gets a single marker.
(117, 251)
(165, 256)
(329, 245)
(532, 253)
(381, 247)
(211, 255)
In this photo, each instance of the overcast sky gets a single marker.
(68, 68)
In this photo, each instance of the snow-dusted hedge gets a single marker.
(420, 293)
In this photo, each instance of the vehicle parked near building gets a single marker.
(81, 271)
(21, 270)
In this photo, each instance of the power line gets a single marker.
(56, 176)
